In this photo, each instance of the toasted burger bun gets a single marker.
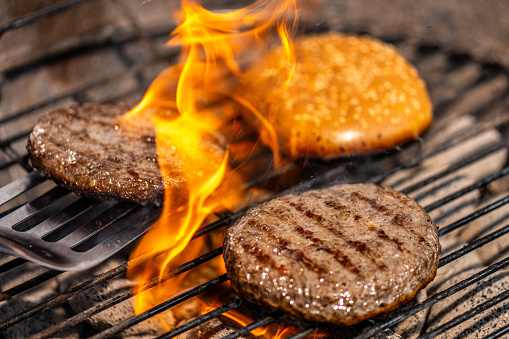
(349, 95)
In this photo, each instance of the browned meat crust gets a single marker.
(83, 149)
(340, 254)
(90, 151)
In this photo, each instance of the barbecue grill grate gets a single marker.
(458, 87)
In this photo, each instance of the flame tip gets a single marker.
(212, 43)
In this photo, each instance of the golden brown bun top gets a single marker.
(349, 95)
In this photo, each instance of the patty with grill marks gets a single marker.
(340, 254)
(91, 151)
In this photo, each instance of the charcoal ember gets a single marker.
(22, 273)
(411, 327)
(187, 310)
(440, 161)
(478, 326)
(106, 290)
(32, 297)
(498, 248)
(500, 185)
(36, 323)
(467, 264)
(476, 143)
(39, 321)
(444, 133)
(387, 334)
(119, 312)
(458, 79)
(439, 189)
(478, 96)
(214, 329)
(449, 212)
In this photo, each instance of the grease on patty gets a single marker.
(340, 254)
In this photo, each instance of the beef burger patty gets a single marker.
(340, 254)
(89, 150)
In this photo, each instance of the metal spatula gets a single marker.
(62, 231)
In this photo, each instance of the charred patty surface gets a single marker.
(91, 151)
(84, 149)
(340, 254)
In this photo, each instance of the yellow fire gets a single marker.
(188, 138)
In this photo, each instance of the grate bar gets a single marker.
(11, 264)
(41, 278)
(38, 15)
(21, 135)
(304, 333)
(408, 311)
(76, 319)
(477, 129)
(441, 148)
(468, 189)
(456, 166)
(467, 315)
(473, 246)
(161, 307)
(19, 186)
(255, 324)
(463, 221)
(68, 94)
(499, 333)
(15, 161)
(61, 297)
(202, 319)
(223, 221)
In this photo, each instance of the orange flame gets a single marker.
(273, 331)
(191, 152)
(237, 316)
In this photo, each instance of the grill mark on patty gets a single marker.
(382, 235)
(258, 254)
(372, 202)
(334, 205)
(363, 248)
(358, 246)
(402, 221)
(308, 213)
(399, 219)
(318, 243)
(299, 255)
(312, 215)
(265, 259)
(342, 259)
(310, 264)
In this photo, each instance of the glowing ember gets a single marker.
(179, 106)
